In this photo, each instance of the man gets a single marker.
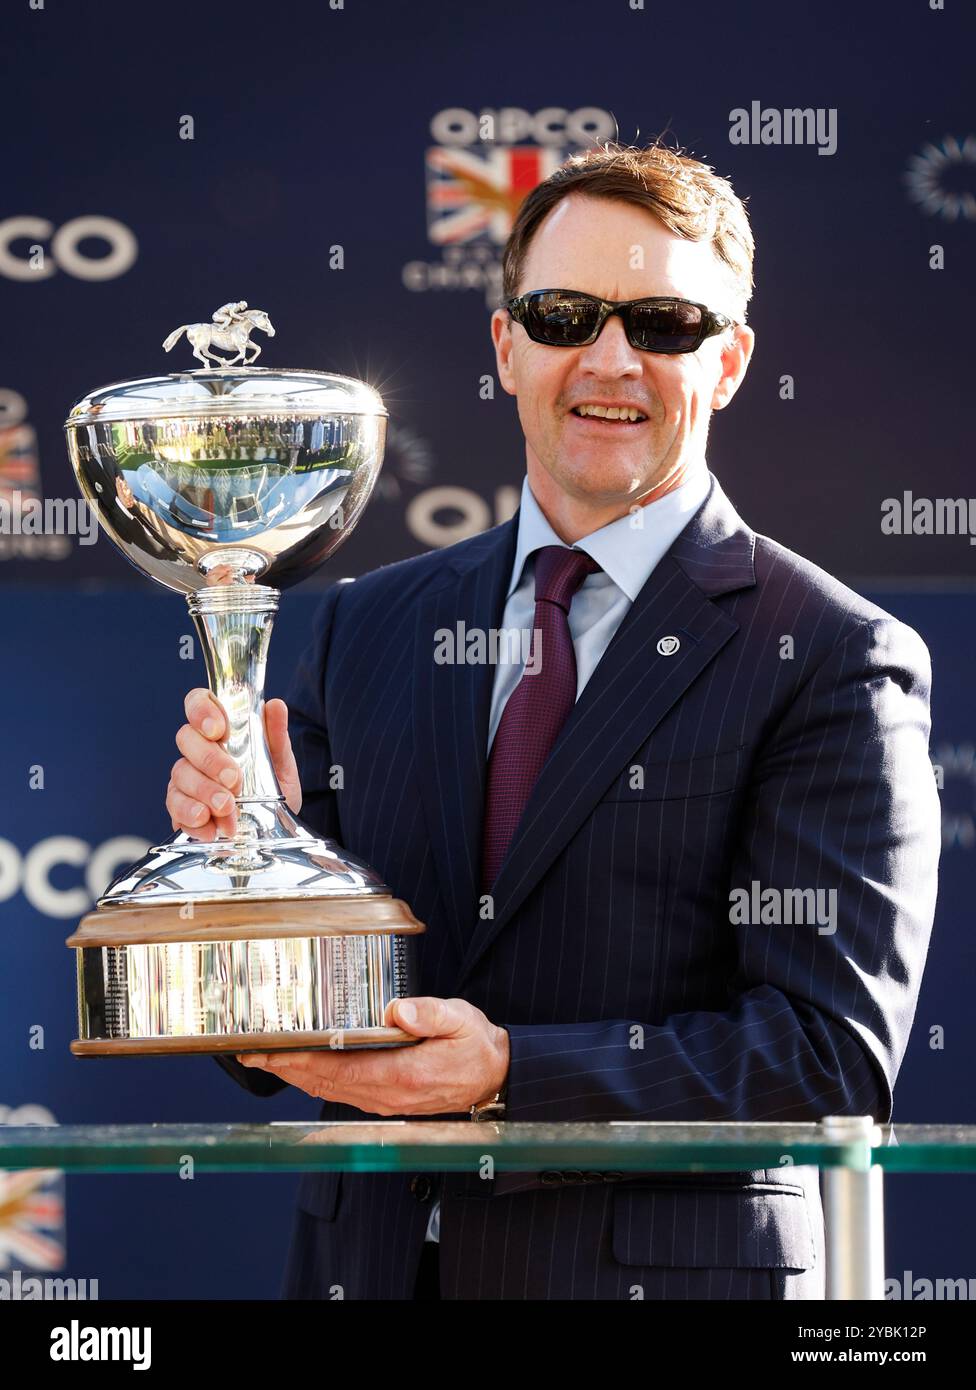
(704, 722)
(229, 314)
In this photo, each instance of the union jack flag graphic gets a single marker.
(472, 195)
(32, 1219)
(18, 461)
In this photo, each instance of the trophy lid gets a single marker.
(237, 393)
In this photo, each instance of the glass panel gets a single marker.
(459, 1146)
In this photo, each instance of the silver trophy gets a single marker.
(226, 484)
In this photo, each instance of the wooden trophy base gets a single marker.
(265, 975)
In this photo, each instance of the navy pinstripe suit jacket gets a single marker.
(785, 744)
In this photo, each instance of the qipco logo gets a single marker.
(32, 248)
(441, 516)
(63, 875)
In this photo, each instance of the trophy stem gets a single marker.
(234, 622)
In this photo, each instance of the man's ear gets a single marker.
(736, 356)
(501, 336)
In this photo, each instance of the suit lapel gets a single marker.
(452, 705)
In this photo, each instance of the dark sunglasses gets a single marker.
(569, 318)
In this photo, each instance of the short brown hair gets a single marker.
(688, 197)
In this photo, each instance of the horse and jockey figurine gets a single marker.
(231, 328)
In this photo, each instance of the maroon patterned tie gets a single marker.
(538, 706)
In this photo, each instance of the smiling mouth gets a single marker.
(610, 414)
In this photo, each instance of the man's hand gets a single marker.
(463, 1060)
(200, 797)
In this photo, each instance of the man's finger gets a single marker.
(324, 1073)
(427, 1017)
(208, 757)
(186, 778)
(205, 713)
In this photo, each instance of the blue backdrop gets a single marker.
(326, 164)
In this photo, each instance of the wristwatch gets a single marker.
(491, 1109)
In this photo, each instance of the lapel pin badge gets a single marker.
(667, 646)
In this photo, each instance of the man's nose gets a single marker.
(611, 354)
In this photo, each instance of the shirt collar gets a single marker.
(627, 553)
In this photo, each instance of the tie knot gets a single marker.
(559, 572)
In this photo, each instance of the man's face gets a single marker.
(617, 251)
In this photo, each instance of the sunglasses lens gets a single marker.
(668, 327)
(564, 320)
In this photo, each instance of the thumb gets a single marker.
(426, 1018)
(279, 744)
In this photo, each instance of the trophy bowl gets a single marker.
(227, 484)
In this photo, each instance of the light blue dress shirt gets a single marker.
(627, 551)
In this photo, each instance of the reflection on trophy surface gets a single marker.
(226, 484)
